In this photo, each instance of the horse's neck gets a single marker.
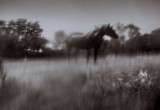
(97, 34)
(94, 38)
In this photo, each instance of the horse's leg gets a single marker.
(96, 49)
(69, 52)
(95, 54)
(88, 55)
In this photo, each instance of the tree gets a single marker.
(120, 43)
(155, 40)
(19, 36)
(156, 32)
(134, 31)
(120, 29)
(2, 27)
(24, 35)
(2, 37)
(114, 46)
(59, 39)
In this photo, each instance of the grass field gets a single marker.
(115, 83)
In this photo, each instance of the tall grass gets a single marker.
(115, 83)
(9, 89)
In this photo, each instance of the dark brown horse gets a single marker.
(91, 40)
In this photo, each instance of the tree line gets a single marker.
(131, 41)
(19, 38)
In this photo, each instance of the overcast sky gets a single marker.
(82, 15)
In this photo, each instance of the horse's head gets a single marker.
(108, 30)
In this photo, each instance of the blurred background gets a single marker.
(35, 73)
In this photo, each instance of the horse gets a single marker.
(90, 40)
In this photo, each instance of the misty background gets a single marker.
(37, 73)
(36, 28)
(82, 15)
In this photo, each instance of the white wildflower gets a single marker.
(143, 80)
(28, 49)
(40, 50)
(20, 38)
(142, 75)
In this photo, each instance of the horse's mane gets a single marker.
(93, 32)
(77, 33)
(90, 33)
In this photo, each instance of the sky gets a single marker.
(82, 15)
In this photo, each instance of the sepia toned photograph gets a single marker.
(79, 55)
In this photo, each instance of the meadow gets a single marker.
(114, 83)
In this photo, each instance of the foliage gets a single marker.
(132, 42)
(20, 35)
